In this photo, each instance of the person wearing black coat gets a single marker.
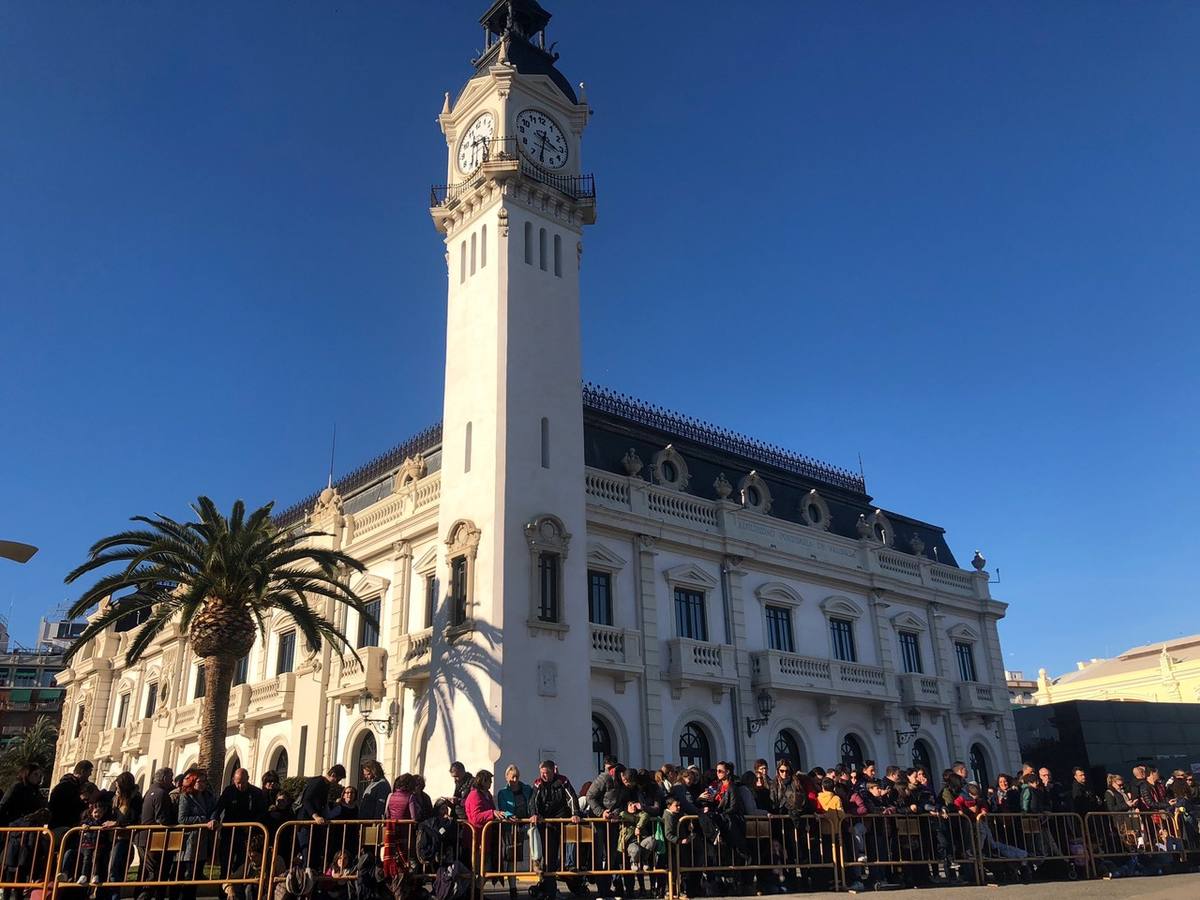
(1083, 798)
(66, 805)
(24, 797)
(239, 803)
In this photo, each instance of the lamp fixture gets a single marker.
(766, 703)
(914, 724)
(366, 706)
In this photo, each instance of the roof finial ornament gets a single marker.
(502, 56)
(446, 104)
(978, 561)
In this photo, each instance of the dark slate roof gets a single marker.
(613, 423)
(528, 58)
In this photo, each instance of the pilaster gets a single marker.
(947, 669)
(647, 601)
(745, 706)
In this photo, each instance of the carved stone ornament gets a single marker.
(918, 545)
(502, 216)
(978, 561)
(863, 529)
(814, 511)
(411, 471)
(632, 463)
(669, 469)
(722, 487)
(754, 493)
(329, 503)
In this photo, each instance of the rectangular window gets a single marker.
(241, 670)
(368, 634)
(78, 729)
(600, 610)
(198, 691)
(558, 255)
(548, 587)
(529, 243)
(462, 262)
(26, 678)
(151, 699)
(285, 658)
(542, 249)
(3, 677)
(966, 660)
(458, 590)
(690, 616)
(779, 629)
(910, 652)
(483, 247)
(842, 631)
(431, 592)
(122, 710)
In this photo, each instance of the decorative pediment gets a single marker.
(601, 557)
(691, 575)
(547, 532)
(427, 562)
(963, 632)
(906, 620)
(368, 585)
(778, 592)
(842, 607)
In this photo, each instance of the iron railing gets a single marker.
(580, 188)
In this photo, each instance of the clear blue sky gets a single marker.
(959, 238)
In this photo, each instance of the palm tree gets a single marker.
(219, 577)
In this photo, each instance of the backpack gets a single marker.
(452, 882)
(437, 841)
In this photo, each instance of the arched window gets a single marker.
(483, 247)
(558, 255)
(473, 243)
(602, 744)
(979, 767)
(787, 747)
(279, 764)
(693, 747)
(462, 262)
(852, 752)
(921, 757)
(529, 243)
(233, 765)
(542, 249)
(367, 751)
(546, 447)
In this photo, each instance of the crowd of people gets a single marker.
(635, 815)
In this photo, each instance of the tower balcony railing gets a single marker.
(499, 155)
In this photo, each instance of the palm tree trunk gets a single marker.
(218, 681)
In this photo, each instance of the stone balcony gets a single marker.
(272, 699)
(413, 654)
(692, 662)
(975, 699)
(616, 652)
(137, 737)
(239, 699)
(109, 743)
(355, 677)
(782, 671)
(924, 691)
(185, 721)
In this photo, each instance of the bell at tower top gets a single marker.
(521, 25)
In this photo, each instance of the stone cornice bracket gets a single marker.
(827, 708)
(503, 76)
(402, 550)
(647, 544)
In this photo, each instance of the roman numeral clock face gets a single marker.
(473, 148)
(541, 140)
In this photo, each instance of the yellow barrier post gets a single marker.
(1025, 840)
(1126, 842)
(27, 859)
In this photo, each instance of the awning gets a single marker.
(20, 695)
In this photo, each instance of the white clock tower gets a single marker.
(511, 655)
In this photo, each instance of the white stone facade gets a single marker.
(484, 545)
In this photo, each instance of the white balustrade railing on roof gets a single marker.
(898, 563)
(681, 506)
(428, 491)
(607, 487)
(950, 577)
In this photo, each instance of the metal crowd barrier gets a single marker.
(909, 846)
(785, 848)
(331, 849)
(1018, 840)
(520, 850)
(26, 859)
(155, 858)
(1133, 839)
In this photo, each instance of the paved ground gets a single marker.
(1166, 887)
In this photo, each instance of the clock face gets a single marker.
(473, 148)
(541, 140)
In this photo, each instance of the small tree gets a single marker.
(219, 577)
(34, 747)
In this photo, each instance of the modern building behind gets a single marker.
(1021, 690)
(27, 679)
(561, 571)
(1105, 736)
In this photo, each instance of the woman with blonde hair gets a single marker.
(513, 802)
